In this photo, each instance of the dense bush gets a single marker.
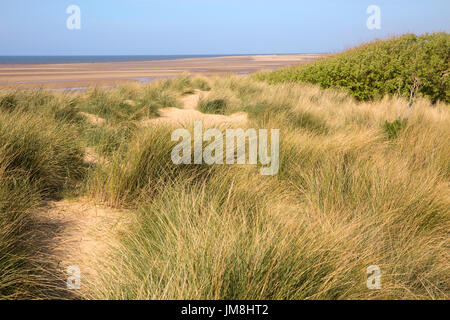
(381, 67)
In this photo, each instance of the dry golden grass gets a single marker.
(348, 195)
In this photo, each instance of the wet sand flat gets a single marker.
(81, 75)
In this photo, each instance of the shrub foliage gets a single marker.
(381, 67)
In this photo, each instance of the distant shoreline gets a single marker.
(25, 60)
(105, 74)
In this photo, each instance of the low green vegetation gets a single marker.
(401, 65)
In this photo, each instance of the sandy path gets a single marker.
(79, 232)
(93, 119)
(176, 116)
(76, 233)
(188, 114)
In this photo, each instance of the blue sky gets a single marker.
(152, 27)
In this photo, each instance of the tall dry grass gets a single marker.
(39, 159)
(348, 195)
(355, 188)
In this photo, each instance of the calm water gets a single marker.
(88, 59)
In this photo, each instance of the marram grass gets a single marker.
(350, 193)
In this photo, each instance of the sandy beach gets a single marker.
(81, 75)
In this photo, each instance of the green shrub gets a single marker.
(381, 67)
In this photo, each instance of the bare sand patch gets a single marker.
(189, 114)
(92, 158)
(286, 57)
(78, 233)
(191, 101)
(175, 116)
(93, 119)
